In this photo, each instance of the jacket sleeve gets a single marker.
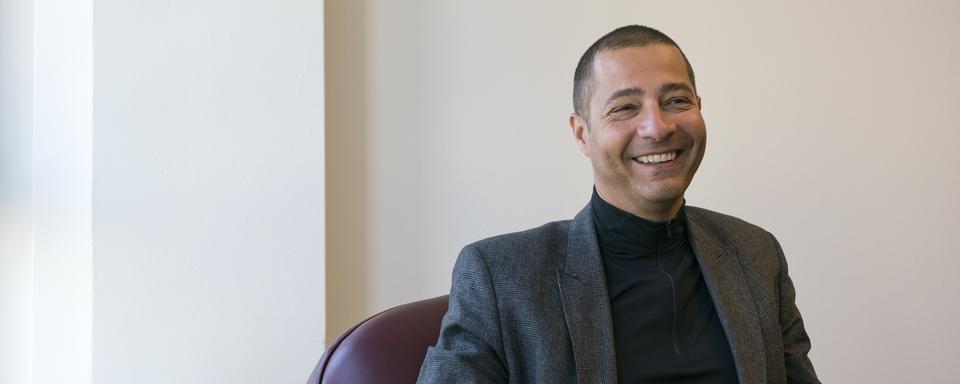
(470, 348)
(796, 343)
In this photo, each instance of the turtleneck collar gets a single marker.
(624, 235)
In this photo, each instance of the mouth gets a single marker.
(658, 158)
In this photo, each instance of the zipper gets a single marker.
(673, 296)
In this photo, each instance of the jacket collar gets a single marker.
(586, 303)
(731, 294)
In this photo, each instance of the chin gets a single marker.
(664, 199)
(664, 191)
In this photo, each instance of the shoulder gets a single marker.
(731, 231)
(544, 237)
(721, 221)
(520, 253)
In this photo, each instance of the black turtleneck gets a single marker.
(665, 326)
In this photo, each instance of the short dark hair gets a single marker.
(623, 37)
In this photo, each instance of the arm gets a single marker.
(470, 348)
(796, 343)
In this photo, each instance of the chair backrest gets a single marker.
(388, 347)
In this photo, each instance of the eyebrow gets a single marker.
(668, 87)
(624, 93)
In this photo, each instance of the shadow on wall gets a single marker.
(347, 252)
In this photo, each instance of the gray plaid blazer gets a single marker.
(532, 306)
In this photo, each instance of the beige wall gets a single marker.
(831, 124)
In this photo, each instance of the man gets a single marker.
(638, 287)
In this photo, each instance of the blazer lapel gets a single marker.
(732, 298)
(586, 303)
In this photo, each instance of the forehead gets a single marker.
(646, 67)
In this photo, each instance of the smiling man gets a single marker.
(638, 287)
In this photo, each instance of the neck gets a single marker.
(621, 234)
(653, 211)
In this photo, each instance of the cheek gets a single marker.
(695, 129)
(694, 122)
(613, 150)
(616, 139)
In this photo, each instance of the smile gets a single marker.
(657, 158)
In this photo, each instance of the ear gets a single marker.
(581, 134)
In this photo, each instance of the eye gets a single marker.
(623, 112)
(679, 102)
(624, 108)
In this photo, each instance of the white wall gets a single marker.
(161, 195)
(16, 179)
(829, 124)
(208, 191)
(62, 179)
(45, 120)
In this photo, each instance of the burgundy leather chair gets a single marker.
(388, 347)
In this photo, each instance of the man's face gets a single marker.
(646, 135)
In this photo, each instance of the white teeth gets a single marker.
(656, 158)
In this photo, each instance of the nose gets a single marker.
(654, 126)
